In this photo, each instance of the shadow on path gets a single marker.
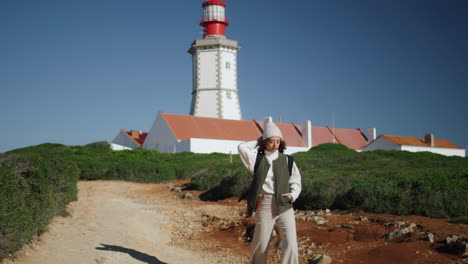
(133, 253)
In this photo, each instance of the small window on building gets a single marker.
(228, 95)
(228, 65)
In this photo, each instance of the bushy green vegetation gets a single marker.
(96, 161)
(37, 182)
(33, 189)
(336, 177)
(395, 182)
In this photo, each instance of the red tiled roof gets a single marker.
(351, 138)
(414, 141)
(291, 133)
(136, 136)
(187, 126)
(321, 135)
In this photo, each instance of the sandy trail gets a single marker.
(109, 224)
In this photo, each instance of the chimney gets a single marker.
(135, 134)
(307, 133)
(429, 139)
(371, 134)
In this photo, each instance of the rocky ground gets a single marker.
(121, 222)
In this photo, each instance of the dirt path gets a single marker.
(113, 222)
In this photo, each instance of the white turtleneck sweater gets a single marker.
(248, 154)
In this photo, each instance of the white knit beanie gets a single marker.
(271, 130)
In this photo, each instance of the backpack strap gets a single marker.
(257, 161)
(290, 164)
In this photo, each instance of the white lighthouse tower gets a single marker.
(214, 64)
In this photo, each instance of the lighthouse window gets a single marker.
(228, 65)
(228, 95)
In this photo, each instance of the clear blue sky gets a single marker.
(75, 72)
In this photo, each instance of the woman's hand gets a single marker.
(289, 196)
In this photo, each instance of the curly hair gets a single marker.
(262, 145)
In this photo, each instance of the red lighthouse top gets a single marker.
(214, 21)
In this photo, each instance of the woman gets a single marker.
(273, 190)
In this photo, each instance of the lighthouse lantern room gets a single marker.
(214, 64)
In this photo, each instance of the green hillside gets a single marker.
(36, 183)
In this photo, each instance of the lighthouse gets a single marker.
(214, 67)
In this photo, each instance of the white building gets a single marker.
(173, 133)
(128, 140)
(214, 66)
(414, 144)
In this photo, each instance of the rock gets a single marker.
(176, 189)
(430, 237)
(395, 223)
(223, 225)
(450, 239)
(319, 220)
(457, 245)
(207, 218)
(401, 232)
(362, 219)
(324, 259)
(186, 196)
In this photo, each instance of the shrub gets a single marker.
(102, 145)
(234, 183)
(33, 189)
(396, 182)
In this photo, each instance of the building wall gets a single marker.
(206, 104)
(205, 100)
(214, 65)
(160, 137)
(114, 146)
(207, 65)
(442, 151)
(199, 145)
(291, 150)
(230, 106)
(123, 141)
(183, 146)
(228, 68)
(381, 144)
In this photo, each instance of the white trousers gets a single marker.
(265, 220)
